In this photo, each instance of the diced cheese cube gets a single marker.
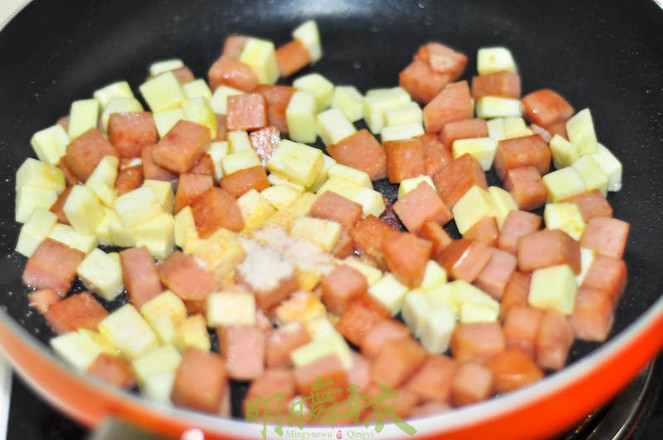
(158, 363)
(219, 100)
(119, 104)
(566, 217)
(319, 327)
(503, 202)
(239, 161)
(103, 230)
(356, 176)
(238, 140)
(217, 151)
(321, 88)
(280, 196)
(436, 329)
(442, 296)
(35, 230)
(307, 33)
(407, 113)
(120, 235)
(83, 210)
(415, 307)
(553, 287)
(324, 233)
(515, 127)
(341, 186)
(586, 259)
(192, 332)
(137, 206)
(580, 129)
(67, 235)
(227, 308)
(296, 161)
(279, 179)
(378, 101)
(482, 149)
(30, 198)
(199, 111)
(163, 313)
(164, 191)
(197, 89)
(166, 119)
(348, 100)
(464, 292)
(185, 232)
(563, 183)
(390, 292)
(495, 107)
(323, 175)
(83, 116)
(129, 332)
(102, 180)
(496, 129)
(162, 66)
(38, 174)
(401, 132)
(610, 165)
(475, 204)
(102, 274)
(120, 89)
(372, 274)
(434, 276)
(477, 312)
(286, 216)
(302, 306)
(592, 174)
(408, 185)
(256, 209)
(332, 344)
(157, 234)
(260, 55)
(221, 252)
(371, 201)
(163, 92)
(564, 153)
(333, 126)
(159, 387)
(50, 144)
(77, 348)
(301, 117)
(495, 59)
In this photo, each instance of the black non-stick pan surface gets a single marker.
(605, 55)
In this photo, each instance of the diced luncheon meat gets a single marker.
(406, 256)
(429, 408)
(53, 265)
(332, 206)
(362, 314)
(541, 132)
(548, 248)
(216, 208)
(472, 383)
(434, 233)
(516, 225)
(114, 370)
(221, 127)
(607, 275)
(465, 259)
(522, 152)
(243, 181)
(361, 151)
(153, 171)
(140, 275)
(86, 151)
(593, 314)
(80, 311)
(292, 57)
(545, 107)
(265, 140)
(553, 341)
(516, 292)
(422, 82)
(345, 245)
(453, 181)
(182, 274)
(420, 206)
(505, 84)
(495, 276)
(606, 235)
(369, 235)
(243, 347)
(182, 147)
(359, 375)
(129, 179)
(231, 72)
(69, 176)
(513, 369)
(189, 188)
(398, 360)
(204, 166)
(465, 129)
(521, 327)
(246, 112)
(591, 204)
(340, 286)
(432, 382)
(453, 103)
(383, 332)
(436, 154)
(405, 159)
(400, 400)
(485, 230)
(58, 207)
(129, 132)
(327, 370)
(234, 45)
(273, 382)
(277, 98)
(43, 299)
(442, 59)
(268, 275)
(477, 341)
(282, 341)
(201, 380)
(557, 128)
(526, 186)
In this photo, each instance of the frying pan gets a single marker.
(607, 56)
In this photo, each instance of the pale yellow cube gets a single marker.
(260, 55)
(163, 92)
(119, 104)
(348, 100)
(592, 174)
(50, 144)
(120, 235)
(129, 332)
(221, 252)
(323, 175)
(436, 328)
(482, 149)
(610, 165)
(308, 34)
(503, 202)
(83, 115)
(166, 119)
(157, 234)
(372, 274)
(239, 161)
(280, 196)
(553, 287)
(217, 151)
(102, 274)
(137, 206)
(434, 276)
(103, 230)
(321, 88)
(564, 153)
(378, 101)
(35, 173)
(77, 349)
(401, 132)
(219, 100)
(301, 117)
(157, 363)
(496, 129)
(475, 204)
(331, 344)
(256, 209)
(477, 312)
(495, 59)
(199, 111)
(324, 233)
(302, 306)
(317, 327)
(285, 217)
(275, 178)
(163, 313)
(102, 180)
(333, 126)
(67, 235)
(341, 186)
(406, 113)
(158, 387)
(120, 89)
(515, 127)
(415, 307)
(464, 292)
(371, 201)
(164, 191)
(298, 162)
(580, 129)
(197, 89)
(442, 296)
(358, 177)
(563, 183)
(390, 292)
(238, 141)
(498, 107)
(30, 198)
(566, 217)
(185, 232)
(192, 332)
(408, 185)
(35, 230)
(83, 210)
(162, 66)
(229, 308)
